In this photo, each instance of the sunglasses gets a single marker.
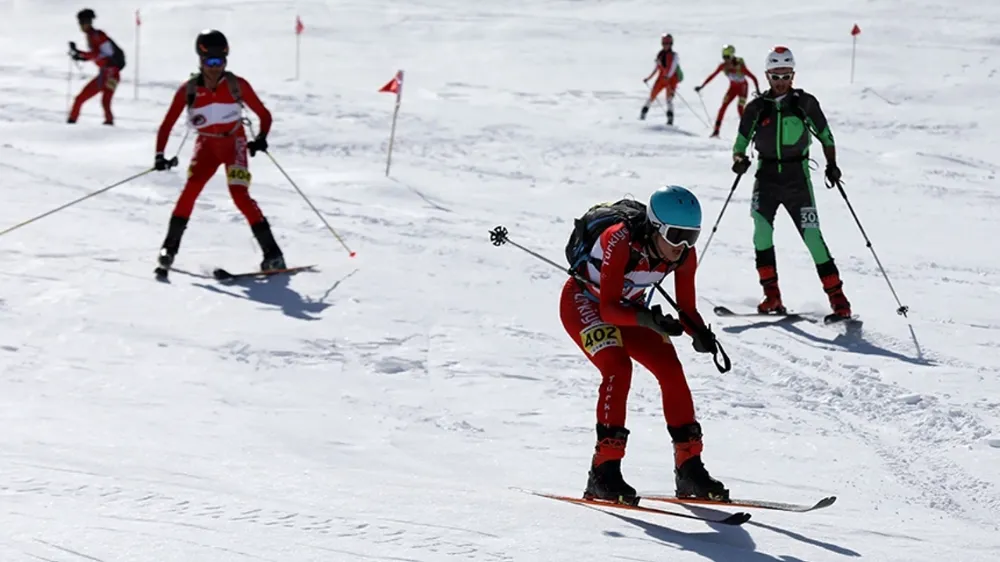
(214, 62)
(778, 77)
(679, 235)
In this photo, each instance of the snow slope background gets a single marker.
(383, 408)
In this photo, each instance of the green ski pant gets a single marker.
(792, 189)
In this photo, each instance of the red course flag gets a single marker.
(394, 85)
(299, 28)
(856, 30)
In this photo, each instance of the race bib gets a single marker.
(239, 176)
(600, 336)
(810, 218)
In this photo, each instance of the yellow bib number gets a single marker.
(600, 336)
(239, 176)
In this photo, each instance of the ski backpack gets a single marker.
(118, 56)
(588, 228)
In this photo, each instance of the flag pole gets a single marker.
(395, 113)
(138, 24)
(855, 31)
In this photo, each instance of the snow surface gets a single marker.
(385, 407)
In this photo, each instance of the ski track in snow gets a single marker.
(383, 408)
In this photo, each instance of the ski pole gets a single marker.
(350, 252)
(903, 309)
(726, 364)
(74, 202)
(691, 109)
(703, 106)
(701, 256)
(69, 84)
(498, 236)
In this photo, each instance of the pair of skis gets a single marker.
(828, 319)
(225, 276)
(737, 518)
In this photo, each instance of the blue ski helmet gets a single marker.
(675, 214)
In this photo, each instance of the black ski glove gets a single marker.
(698, 88)
(740, 163)
(258, 144)
(704, 341)
(75, 53)
(655, 320)
(161, 163)
(833, 175)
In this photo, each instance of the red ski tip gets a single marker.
(353, 254)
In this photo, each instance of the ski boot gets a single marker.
(690, 476)
(771, 304)
(171, 245)
(643, 112)
(604, 480)
(834, 289)
(273, 258)
(670, 117)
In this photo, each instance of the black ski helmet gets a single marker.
(211, 43)
(85, 15)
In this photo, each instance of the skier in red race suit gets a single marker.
(668, 75)
(622, 250)
(110, 60)
(214, 101)
(737, 72)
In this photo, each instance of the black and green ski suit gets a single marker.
(781, 128)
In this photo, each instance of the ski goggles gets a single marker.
(780, 77)
(678, 235)
(213, 62)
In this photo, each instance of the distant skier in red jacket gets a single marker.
(214, 101)
(737, 72)
(110, 60)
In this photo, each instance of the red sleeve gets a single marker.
(180, 100)
(616, 242)
(94, 41)
(752, 77)
(687, 298)
(250, 96)
(713, 75)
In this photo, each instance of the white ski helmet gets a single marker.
(779, 57)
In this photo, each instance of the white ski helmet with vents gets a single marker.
(779, 57)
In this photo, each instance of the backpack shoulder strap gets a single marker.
(192, 87)
(234, 86)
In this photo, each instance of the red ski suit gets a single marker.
(606, 329)
(737, 72)
(101, 52)
(667, 74)
(216, 115)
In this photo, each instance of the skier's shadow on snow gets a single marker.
(275, 291)
(852, 339)
(727, 542)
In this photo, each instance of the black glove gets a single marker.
(704, 341)
(258, 144)
(655, 320)
(162, 163)
(740, 163)
(833, 175)
(698, 88)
